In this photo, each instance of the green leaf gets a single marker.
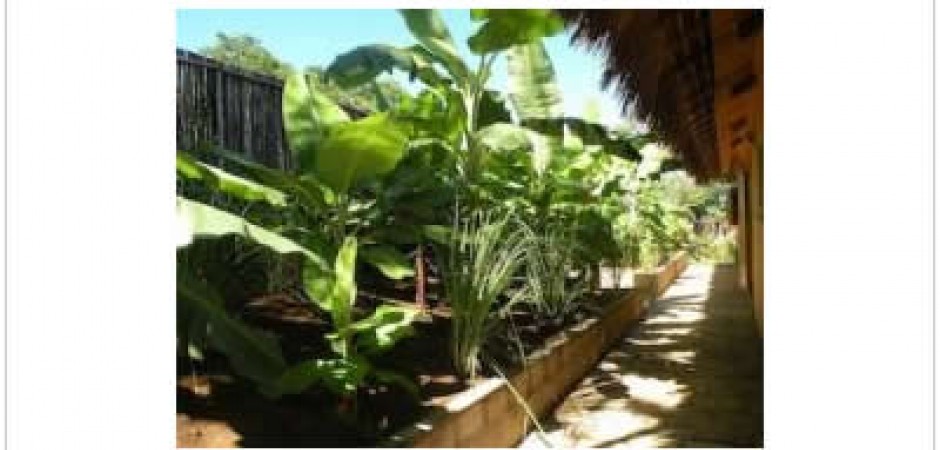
(341, 376)
(542, 149)
(220, 180)
(202, 220)
(533, 87)
(492, 109)
(429, 29)
(318, 284)
(392, 263)
(363, 64)
(253, 354)
(504, 137)
(505, 28)
(343, 293)
(438, 233)
(305, 188)
(355, 151)
(307, 115)
(508, 138)
(383, 329)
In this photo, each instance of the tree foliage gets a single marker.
(247, 52)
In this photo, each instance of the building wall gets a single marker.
(757, 169)
(744, 152)
(756, 216)
(742, 229)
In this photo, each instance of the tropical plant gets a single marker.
(549, 287)
(497, 192)
(485, 251)
(352, 340)
(332, 289)
(457, 114)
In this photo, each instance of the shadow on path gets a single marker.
(689, 375)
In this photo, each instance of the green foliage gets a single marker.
(343, 294)
(256, 355)
(341, 376)
(252, 353)
(429, 29)
(547, 196)
(485, 251)
(351, 339)
(392, 263)
(308, 114)
(363, 64)
(504, 28)
(382, 330)
(198, 220)
(533, 87)
(246, 52)
(551, 260)
(188, 167)
(355, 151)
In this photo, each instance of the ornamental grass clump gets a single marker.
(486, 250)
(548, 287)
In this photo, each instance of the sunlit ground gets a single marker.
(684, 377)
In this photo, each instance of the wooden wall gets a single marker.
(229, 107)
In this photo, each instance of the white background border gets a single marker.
(849, 216)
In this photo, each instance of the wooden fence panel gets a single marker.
(230, 107)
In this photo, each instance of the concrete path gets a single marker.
(689, 375)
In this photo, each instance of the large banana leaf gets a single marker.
(504, 137)
(429, 29)
(392, 263)
(307, 115)
(363, 64)
(252, 353)
(505, 28)
(305, 188)
(201, 220)
(533, 88)
(355, 151)
(431, 115)
(218, 179)
(343, 293)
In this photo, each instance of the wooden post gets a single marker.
(420, 279)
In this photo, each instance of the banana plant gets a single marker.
(455, 113)
(460, 90)
(255, 354)
(352, 341)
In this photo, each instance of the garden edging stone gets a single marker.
(488, 415)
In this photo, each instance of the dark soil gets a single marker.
(217, 409)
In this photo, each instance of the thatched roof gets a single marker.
(662, 63)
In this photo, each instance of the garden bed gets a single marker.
(217, 409)
(489, 414)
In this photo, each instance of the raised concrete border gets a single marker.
(488, 415)
(654, 282)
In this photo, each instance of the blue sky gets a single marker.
(316, 36)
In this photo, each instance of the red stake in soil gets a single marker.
(420, 278)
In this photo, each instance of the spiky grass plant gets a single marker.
(550, 260)
(486, 250)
